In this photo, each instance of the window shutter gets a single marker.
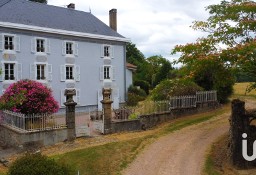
(62, 73)
(112, 51)
(64, 48)
(102, 51)
(115, 98)
(32, 71)
(113, 73)
(100, 97)
(1, 42)
(33, 45)
(2, 72)
(102, 73)
(78, 95)
(76, 49)
(77, 73)
(49, 72)
(19, 72)
(17, 44)
(62, 98)
(48, 48)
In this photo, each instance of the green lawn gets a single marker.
(240, 89)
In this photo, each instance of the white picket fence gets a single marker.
(179, 102)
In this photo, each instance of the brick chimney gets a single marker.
(113, 19)
(71, 6)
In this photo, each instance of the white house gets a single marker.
(63, 48)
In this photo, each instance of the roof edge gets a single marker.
(61, 32)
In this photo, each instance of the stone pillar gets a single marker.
(107, 111)
(238, 123)
(70, 114)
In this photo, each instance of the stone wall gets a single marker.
(148, 121)
(14, 138)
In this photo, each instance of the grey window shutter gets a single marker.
(17, 44)
(19, 72)
(62, 98)
(2, 72)
(112, 51)
(102, 51)
(63, 48)
(77, 68)
(48, 48)
(113, 73)
(78, 95)
(102, 73)
(75, 49)
(49, 72)
(100, 97)
(1, 42)
(33, 45)
(62, 73)
(32, 71)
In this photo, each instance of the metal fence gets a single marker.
(191, 101)
(32, 123)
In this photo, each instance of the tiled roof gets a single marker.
(48, 16)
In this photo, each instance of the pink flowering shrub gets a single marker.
(29, 97)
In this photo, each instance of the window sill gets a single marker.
(9, 81)
(70, 81)
(70, 55)
(41, 53)
(9, 52)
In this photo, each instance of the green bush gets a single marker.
(143, 85)
(135, 95)
(177, 87)
(37, 164)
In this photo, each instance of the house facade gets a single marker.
(64, 49)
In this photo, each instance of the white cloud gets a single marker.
(155, 26)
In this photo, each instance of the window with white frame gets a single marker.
(9, 71)
(69, 48)
(107, 51)
(8, 42)
(40, 45)
(69, 72)
(41, 71)
(106, 73)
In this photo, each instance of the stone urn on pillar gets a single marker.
(107, 111)
(70, 114)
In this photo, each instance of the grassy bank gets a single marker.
(240, 90)
(111, 158)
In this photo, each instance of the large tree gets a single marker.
(230, 42)
(40, 1)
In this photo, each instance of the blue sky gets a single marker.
(155, 26)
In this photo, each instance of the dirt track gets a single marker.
(179, 153)
(182, 152)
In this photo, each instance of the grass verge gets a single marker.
(113, 157)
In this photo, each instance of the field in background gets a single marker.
(240, 89)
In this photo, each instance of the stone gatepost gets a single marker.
(107, 111)
(238, 123)
(70, 114)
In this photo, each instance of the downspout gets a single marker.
(125, 92)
